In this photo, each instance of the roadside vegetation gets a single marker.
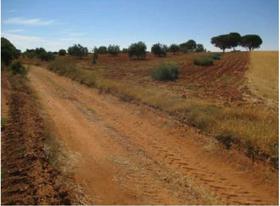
(166, 72)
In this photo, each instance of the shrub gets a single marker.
(216, 56)
(8, 51)
(166, 72)
(62, 52)
(47, 56)
(159, 49)
(137, 50)
(114, 50)
(203, 61)
(78, 50)
(227, 139)
(17, 68)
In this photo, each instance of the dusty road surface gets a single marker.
(127, 154)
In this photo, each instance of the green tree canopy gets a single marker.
(251, 41)
(137, 50)
(159, 49)
(78, 50)
(174, 48)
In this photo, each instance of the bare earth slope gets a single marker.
(129, 154)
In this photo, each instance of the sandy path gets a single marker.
(128, 154)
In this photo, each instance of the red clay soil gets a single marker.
(27, 177)
(223, 79)
(131, 154)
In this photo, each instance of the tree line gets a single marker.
(234, 39)
(137, 50)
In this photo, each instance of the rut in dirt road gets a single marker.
(129, 154)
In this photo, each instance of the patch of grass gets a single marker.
(203, 61)
(166, 72)
(3, 123)
(61, 67)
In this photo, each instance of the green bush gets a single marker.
(137, 50)
(159, 50)
(166, 72)
(17, 68)
(216, 56)
(8, 51)
(203, 61)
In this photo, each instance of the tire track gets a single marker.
(146, 150)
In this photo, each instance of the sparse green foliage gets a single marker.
(174, 48)
(137, 50)
(166, 72)
(78, 50)
(17, 68)
(203, 61)
(159, 50)
(8, 51)
(62, 52)
(251, 41)
(114, 50)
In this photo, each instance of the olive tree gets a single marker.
(137, 50)
(159, 50)
(78, 50)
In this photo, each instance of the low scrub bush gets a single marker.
(17, 68)
(203, 61)
(216, 56)
(166, 72)
(227, 139)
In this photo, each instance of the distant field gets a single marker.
(263, 76)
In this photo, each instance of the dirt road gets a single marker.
(127, 154)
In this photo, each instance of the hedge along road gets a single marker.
(122, 153)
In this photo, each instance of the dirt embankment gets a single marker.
(27, 176)
(128, 154)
